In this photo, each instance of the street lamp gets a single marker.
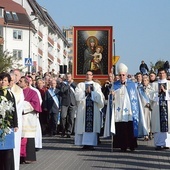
(29, 52)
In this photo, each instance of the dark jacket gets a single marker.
(106, 89)
(144, 65)
(166, 65)
(49, 103)
(67, 95)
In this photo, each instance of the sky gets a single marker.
(141, 28)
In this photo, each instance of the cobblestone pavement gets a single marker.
(61, 154)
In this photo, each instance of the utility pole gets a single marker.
(29, 45)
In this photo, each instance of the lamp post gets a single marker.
(29, 49)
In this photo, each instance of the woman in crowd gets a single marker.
(8, 123)
(144, 92)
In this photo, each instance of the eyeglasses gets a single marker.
(88, 74)
(121, 74)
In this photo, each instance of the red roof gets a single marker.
(10, 5)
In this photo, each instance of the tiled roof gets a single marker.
(23, 20)
(10, 7)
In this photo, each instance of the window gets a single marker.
(17, 54)
(71, 51)
(69, 39)
(70, 45)
(40, 60)
(1, 13)
(17, 34)
(15, 16)
(8, 15)
(50, 49)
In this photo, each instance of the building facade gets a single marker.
(68, 32)
(28, 32)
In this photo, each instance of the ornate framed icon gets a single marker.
(92, 51)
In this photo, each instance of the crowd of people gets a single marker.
(124, 106)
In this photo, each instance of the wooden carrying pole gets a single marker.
(114, 73)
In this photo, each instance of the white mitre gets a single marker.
(122, 68)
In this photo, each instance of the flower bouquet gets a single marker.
(6, 108)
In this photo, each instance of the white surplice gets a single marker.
(38, 136)
(160, 138)
(121, 109)
(19, 99)
(144, 101)
(82, 137)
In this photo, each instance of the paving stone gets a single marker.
(61, 154)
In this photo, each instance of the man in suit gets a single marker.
(52, 105)
(68, 105)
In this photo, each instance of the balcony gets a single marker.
(50, 57)
(40, 52)
(58, 60)
(64, 52)
(40, 34)
(50, 41)
(58, 46)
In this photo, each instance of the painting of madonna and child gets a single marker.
(92, 51)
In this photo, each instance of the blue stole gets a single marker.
(89, 113)
(53, 95)
(143, 94)
(131, 89)
(163, 109)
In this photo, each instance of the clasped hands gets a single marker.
(88, 89)
(162, 88)
(112, 92)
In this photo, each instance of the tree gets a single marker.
(5, 60)
(8, 62)
(157, 65)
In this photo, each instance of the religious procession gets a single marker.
(66, 103)
(124, 108)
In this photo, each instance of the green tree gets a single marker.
(7, 61)
(157, 65)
